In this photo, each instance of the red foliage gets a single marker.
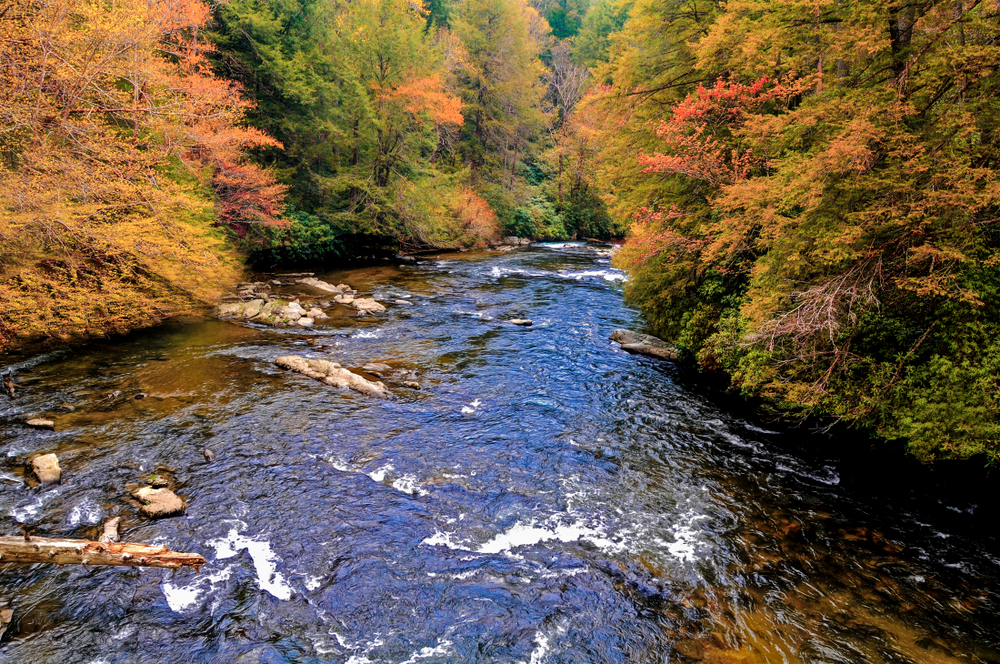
(699, 133)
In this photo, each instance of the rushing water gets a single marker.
(545, 497)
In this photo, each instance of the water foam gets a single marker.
(182, 598)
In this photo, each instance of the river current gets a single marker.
(544, 497)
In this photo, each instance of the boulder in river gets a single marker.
(305, 321)
(41, 423)
(46, 468)
(367, 305)
(321, 285)
(645, 344)
(158, 502)
(525, 322)
(333, 374)
(240, 309)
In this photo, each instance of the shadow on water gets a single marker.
(544, 497)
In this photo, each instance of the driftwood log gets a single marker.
(85, 552)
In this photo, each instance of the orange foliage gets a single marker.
(110, 116)
(428, 95)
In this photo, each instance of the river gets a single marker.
(544, 497)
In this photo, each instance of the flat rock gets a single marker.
(367, 305)
(332, 374)
(344, 299)
(239, 309)
(645, 344)
(321, 285)
(158, 502)
(41, 423)
(46, 468)
(305, 321)
(521, 321)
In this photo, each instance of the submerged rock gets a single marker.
(41, 423)
(377, 367)
(158, 502)
(645, 344)
(46, 468)
(332, 374)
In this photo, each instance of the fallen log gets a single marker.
(84, 552)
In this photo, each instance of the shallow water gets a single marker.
(545, 497)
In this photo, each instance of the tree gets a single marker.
(817, 217)
(114, 133)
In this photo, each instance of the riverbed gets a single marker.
(543, 497)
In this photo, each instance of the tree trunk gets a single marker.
(83, 552)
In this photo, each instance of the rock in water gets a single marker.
(209, 455)
(521, 321)
(46, 468)
(158, 502)
(333, 374)
(321, 285)
(41, 423)
(367, 305)
(376, 367)
(305, 321)
(645, 344)
(412, 384)
(110, 533)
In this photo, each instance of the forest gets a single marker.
(807, 191)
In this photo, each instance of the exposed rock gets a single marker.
(406, 259)
(521, 321)
(412, 383)
(645, 344)
(333, 374)
(41, 423)
(321, 285)
(345, 288)
(46, 468)
(158, 502)
(6, 617)
(367, 305)
(344, 299)
(305, 321)
(404, 302)
(209, 455)
(110, 533)
(316, 314)
(66, 408)
(240, 309)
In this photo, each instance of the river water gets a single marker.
(544, 497)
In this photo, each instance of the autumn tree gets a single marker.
(115, 133)
(814, 213)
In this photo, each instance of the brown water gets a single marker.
(545, 497)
